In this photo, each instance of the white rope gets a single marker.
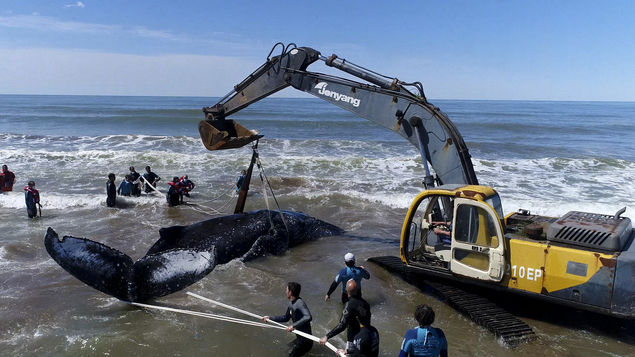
(300, 333)
(149, 184)
(208, 315)
(264, 189)
(224, 193)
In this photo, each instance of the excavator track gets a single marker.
(483, 312)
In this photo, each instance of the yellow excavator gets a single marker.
(455, 230)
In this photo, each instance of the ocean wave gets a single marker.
(61, 201)
(386, 174)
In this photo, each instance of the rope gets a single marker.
(209, 316)
(278, 325)
(149, 184)
(264, 189)
(215, 211)
(224, 193)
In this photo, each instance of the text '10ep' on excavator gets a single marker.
(455, 230)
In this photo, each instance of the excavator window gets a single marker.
(424, 245)
(474, 226)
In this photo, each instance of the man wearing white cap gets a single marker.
(349, 272)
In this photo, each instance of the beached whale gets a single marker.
(183, 254)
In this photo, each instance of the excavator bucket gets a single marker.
(225, 134)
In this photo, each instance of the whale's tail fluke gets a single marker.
(114, 273)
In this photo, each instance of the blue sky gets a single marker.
(534, 50)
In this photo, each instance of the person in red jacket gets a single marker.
(174, 195)
(7, 178)
(32, 199)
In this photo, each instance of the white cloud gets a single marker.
(78, 4)
(48, 24)
(35, 22)
(52, 71)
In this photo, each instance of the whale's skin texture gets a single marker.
(183, 254)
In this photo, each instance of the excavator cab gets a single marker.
(458, 228)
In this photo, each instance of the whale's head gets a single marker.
(303, 228)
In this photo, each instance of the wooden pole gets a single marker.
(242, 195)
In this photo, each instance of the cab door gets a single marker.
(477, 241)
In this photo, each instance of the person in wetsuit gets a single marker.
(32, 199)
(350, 272)
(354, 307)
(174, 196)
(111, 191)
(366, 342)
(299, 313)
(425, 340)
(7, 179)
(136, 182)
(150, 178)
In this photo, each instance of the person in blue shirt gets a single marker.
(425, 340)
(350, 272)
(125, 187)
(241, 179)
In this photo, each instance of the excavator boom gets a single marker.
(385, 101)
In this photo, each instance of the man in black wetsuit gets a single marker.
(354, 307)
(136, 182)
(365, 343)
(150, 178)
(299, 313)
(111, 191)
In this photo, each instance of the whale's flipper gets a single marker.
(104, 268)
(112, 272)
(270, 243)
(170, 271)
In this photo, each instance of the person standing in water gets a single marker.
(241, 179)
(424, 340)
(187, 185)
(136, 182)
(32, 199)
(7, 179)
(174, 195)
(349, 272)
(111, 191)
(365, 343)
(355, 307)
(299, 313)
(150, 178)
(125, 187)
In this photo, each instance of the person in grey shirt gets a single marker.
(299, 313)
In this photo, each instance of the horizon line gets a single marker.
(310, 97)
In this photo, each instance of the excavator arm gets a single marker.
(385, 101)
